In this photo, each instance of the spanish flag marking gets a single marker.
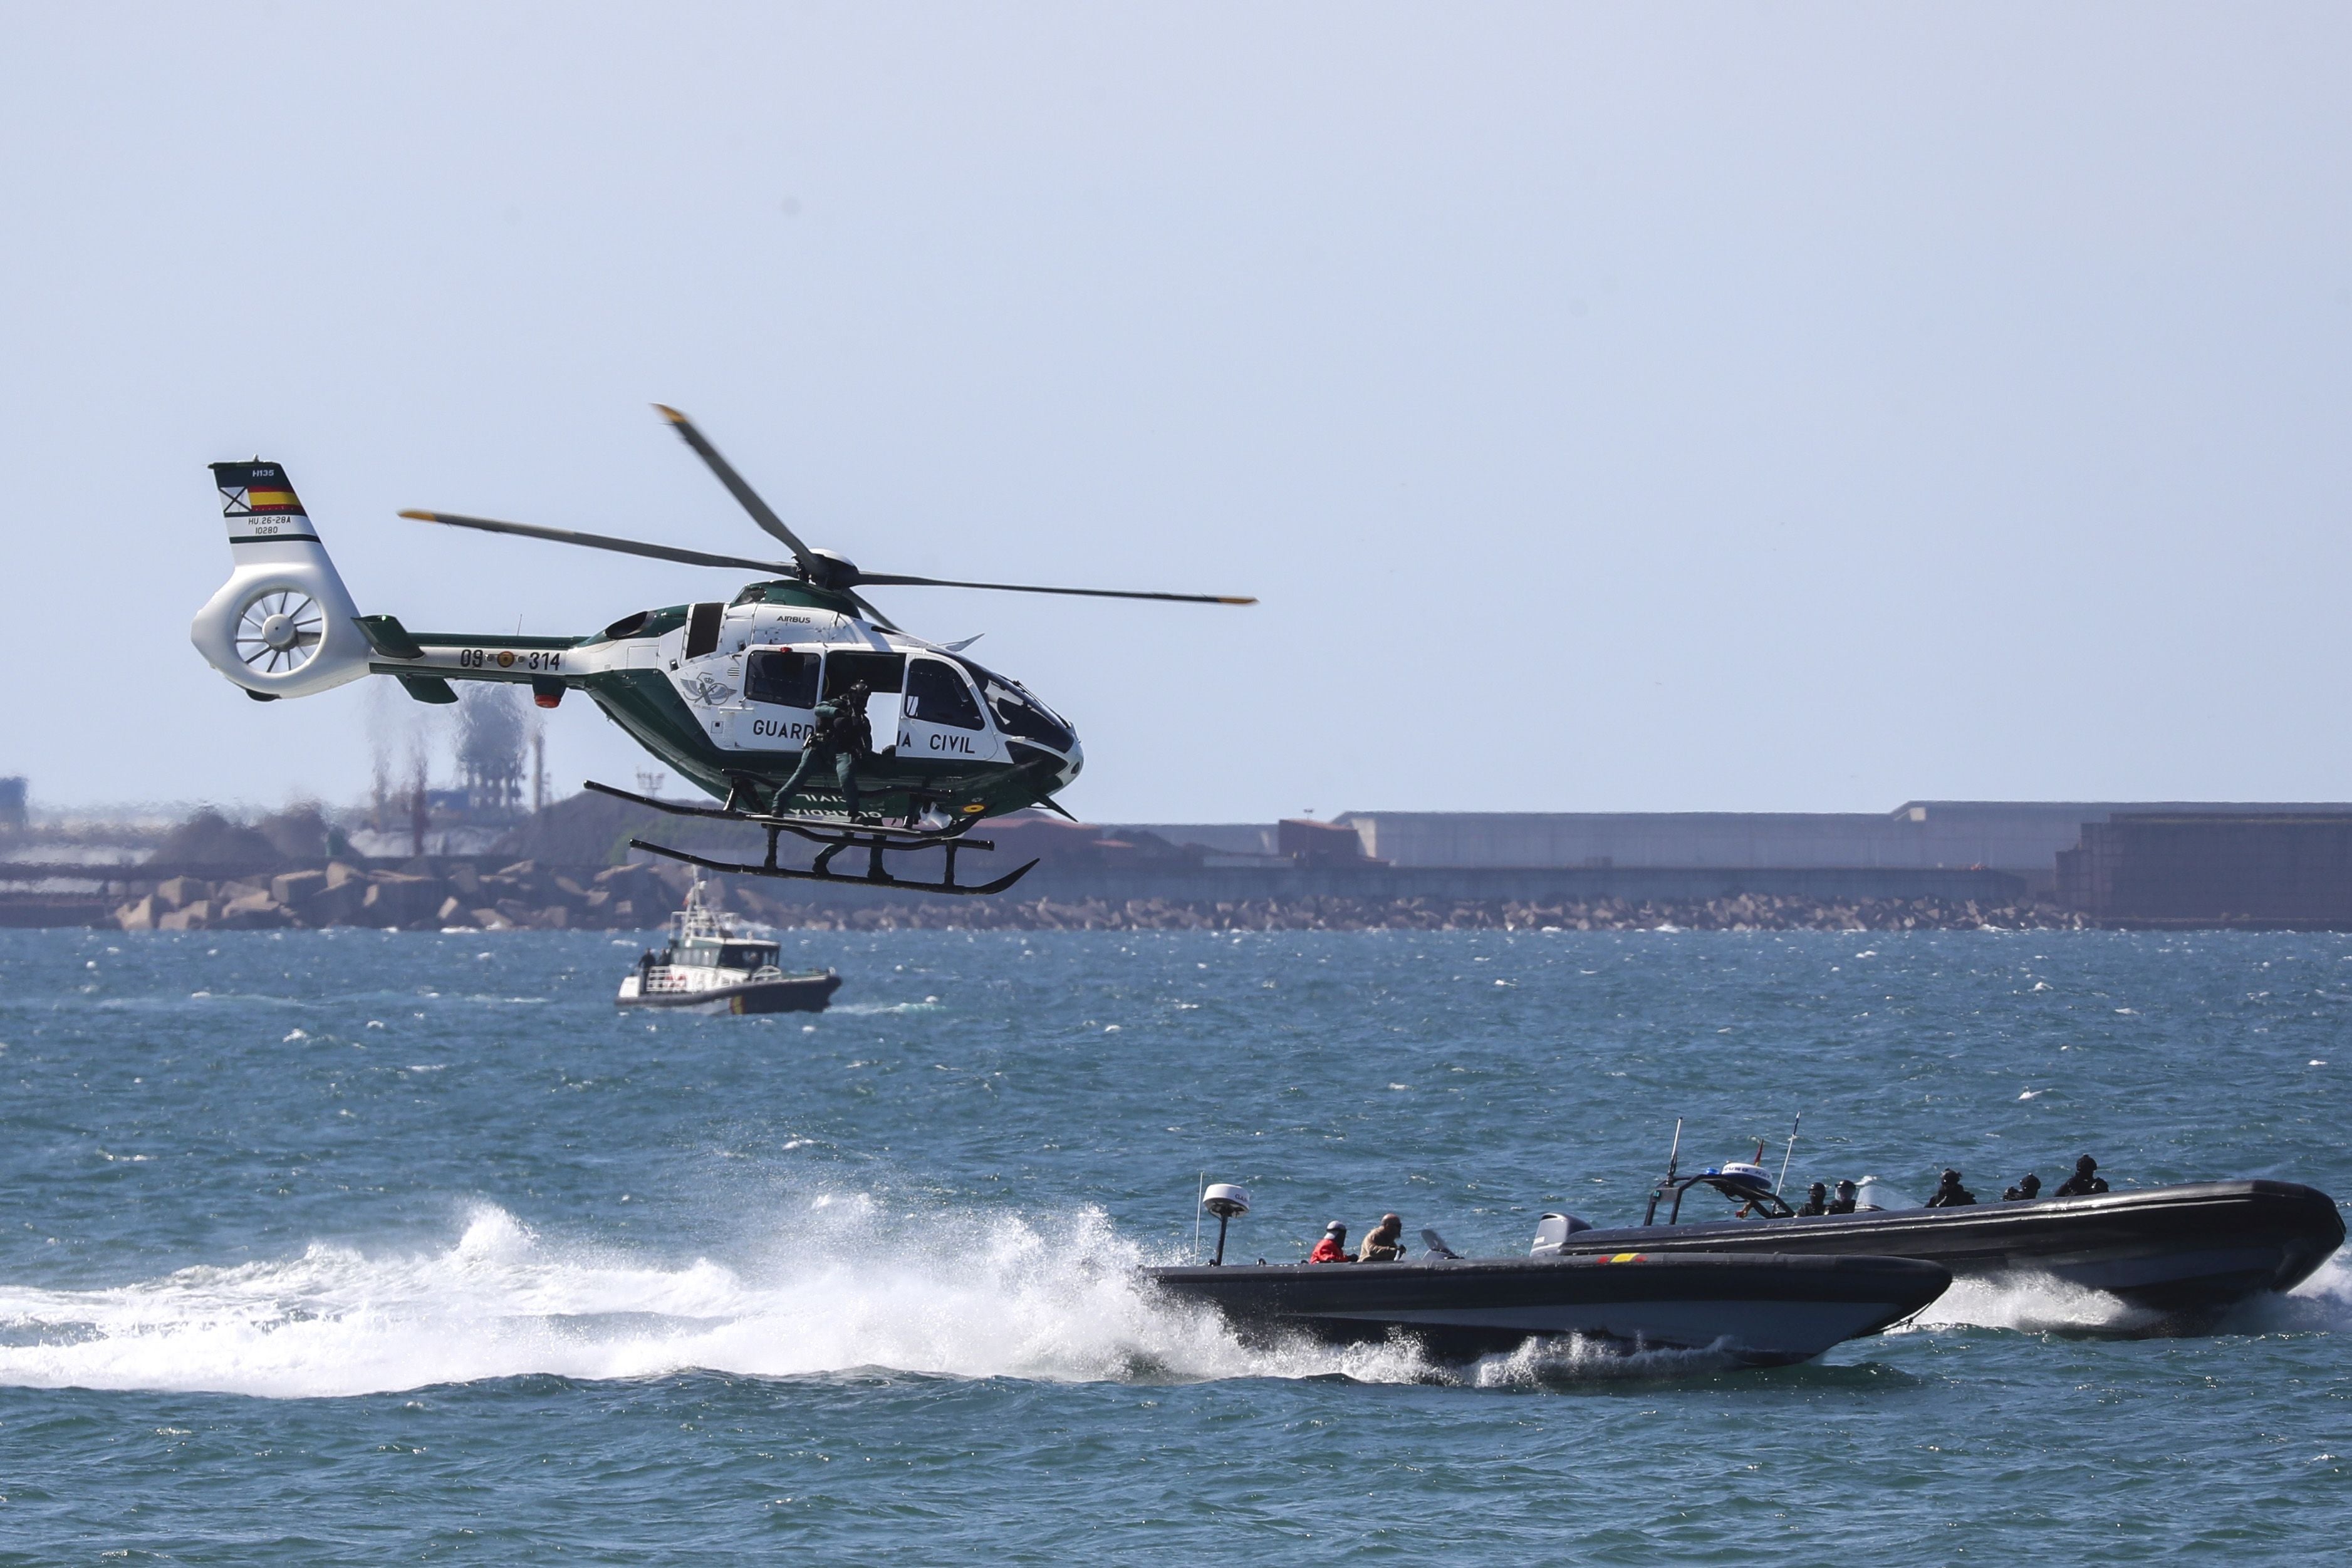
(272, 501)
(1624, 1258)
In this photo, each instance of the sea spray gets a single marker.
(951, 1293)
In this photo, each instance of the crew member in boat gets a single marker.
(2028, 1188)
(1333, 1248)
(2086, 1180)
(1844, 1202)
(1817, 1200)
(1949, 1193)
(1384, 1243)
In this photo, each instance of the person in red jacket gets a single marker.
(1333, 1248)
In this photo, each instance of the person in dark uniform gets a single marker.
(1949, 1193)
(2086, 1180)
(841, 737)
(2028, 1188)
(1844, 1202)
(1817, 1200)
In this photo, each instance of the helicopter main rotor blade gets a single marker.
(874, 617)
(892, 579)
(602, 541)
(745, 493)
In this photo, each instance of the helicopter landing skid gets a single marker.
(834, 837)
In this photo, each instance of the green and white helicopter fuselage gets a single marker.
(725, 693)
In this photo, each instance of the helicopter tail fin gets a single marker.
(283, 625)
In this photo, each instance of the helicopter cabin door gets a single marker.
(885, 675)
(943, 721)
(780, 687)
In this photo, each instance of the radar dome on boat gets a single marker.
(1744, 1174)
(1226, 1200)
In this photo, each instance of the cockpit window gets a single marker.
(1018, 713)
(782, 677)
(935, 694)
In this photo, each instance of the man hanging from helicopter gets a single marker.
(841, 736)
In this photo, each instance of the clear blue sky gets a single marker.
(1646, 407)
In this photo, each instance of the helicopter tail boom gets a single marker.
(283, 625)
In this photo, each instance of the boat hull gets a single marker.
(793, 994)
(2189, 1248)
(1752, 1311)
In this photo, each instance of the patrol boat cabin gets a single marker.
(709, 965)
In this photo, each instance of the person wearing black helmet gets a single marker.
(1844, 1202)
(1333, 1248)
(2028, 1188)
(841, 738)
(1817, 1200)
(1949, 1193)
(2086, 1180)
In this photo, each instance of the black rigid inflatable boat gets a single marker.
(1752, 1311)
(2192, 1249)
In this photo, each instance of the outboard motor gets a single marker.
(282, 625)
(1553, 1231)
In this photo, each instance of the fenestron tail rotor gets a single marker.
(279, 632)
(819, 567)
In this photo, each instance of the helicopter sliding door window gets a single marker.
(883, 674)
(781, 677)
(880, 672)
(702, 629)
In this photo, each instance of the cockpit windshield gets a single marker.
(1017, 713)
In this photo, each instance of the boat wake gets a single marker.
(2031, 1303)
(959, 1294)
(2321, 1304)
(2041, 1304)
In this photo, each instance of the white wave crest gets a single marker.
(2037, 1303)
(958, 1295)
(2321, 1304)
(2031, 1303)
(1544, 1362)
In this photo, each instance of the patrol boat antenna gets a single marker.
(1224, 1200)
(1674, 1153)
(1792, 1153)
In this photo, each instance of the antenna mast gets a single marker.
(1790, 1155)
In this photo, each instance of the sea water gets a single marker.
(358, 1245)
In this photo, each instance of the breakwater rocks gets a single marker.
(425, 896)
(1744, 913)
(430, 896)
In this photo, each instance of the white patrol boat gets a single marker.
(709, 966)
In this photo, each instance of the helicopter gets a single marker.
(725, 692)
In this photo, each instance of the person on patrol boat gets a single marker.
(1817, 1200)
(1844, 1202)
(1385, 1242)
(2028, 1188)
(1949, 1193)
(840, 736)
(1333, 1248)
(2086, 1180)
